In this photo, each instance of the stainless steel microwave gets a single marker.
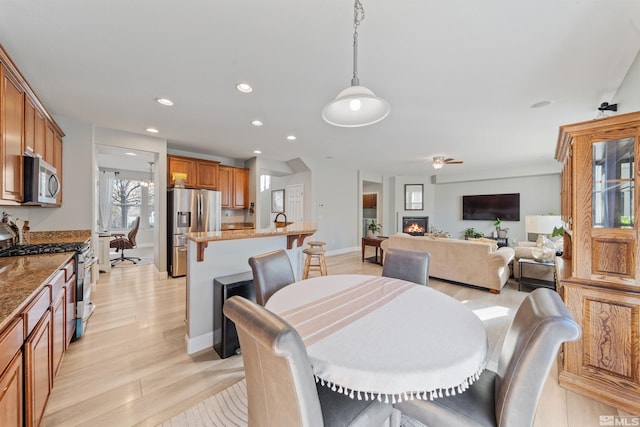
(41, 184)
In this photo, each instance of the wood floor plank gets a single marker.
(131, 367)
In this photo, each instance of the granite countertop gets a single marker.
(291, 229)
(21, 277)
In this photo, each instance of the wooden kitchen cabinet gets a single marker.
(599, 274)
(38, 368)
(233, 183)
(200, 173)
(11, 375)
(207, 174)
(11, 394)
(11, 136)
(58, 320)
(25, 126)
(49, 144)
(34, 128)
(369, 201)
(185, 165)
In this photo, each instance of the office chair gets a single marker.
(120, 243)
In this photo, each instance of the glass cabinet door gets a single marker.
(613, 176)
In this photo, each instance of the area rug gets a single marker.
(225, 408)
(228, 408)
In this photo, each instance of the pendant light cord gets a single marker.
(358, 17)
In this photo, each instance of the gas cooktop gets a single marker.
(43, 248)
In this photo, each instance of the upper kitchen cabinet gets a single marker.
(199, 173)
(34, 128)
(234, 185)
(207, 174)
(11, 136)
(599, 274)
(181, 165)
(25, 126)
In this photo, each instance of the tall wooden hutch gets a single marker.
(599, 274)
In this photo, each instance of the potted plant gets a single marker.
(500, 232)
(374, 228)
(471, 232)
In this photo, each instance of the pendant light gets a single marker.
(356, 105)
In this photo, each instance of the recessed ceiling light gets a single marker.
(257, 152)
(257, 123)
(244, 87)
(152, 130)
(540, 104)
(164, 101)
(291, 137)
(129, 153)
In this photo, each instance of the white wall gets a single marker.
(335, 203)
(397, 212)
(76, 212)
(628, 95)
(538, 195)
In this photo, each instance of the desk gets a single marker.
(370, 336)
(375, 242)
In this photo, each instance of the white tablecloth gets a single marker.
(377, 337)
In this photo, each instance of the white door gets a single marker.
(294, 196)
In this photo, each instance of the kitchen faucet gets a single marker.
(285, 218)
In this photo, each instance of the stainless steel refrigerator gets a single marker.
(189, 211)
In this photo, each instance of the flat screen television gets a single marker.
(491, 206)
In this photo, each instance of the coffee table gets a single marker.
(533, 282)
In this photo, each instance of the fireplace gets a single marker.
(415, 225)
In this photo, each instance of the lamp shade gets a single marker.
(542, 224)
(355, 106)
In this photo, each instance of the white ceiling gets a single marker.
(460, 75)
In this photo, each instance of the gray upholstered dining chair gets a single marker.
(508, 397)
(271, 271)
(281, 389)
(412, 266)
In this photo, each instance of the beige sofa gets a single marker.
(477, 263)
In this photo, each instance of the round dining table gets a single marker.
(373, 337)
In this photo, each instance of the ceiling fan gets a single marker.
(440, 161)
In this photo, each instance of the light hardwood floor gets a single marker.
(131, 367)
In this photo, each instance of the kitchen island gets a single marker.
(222, 253)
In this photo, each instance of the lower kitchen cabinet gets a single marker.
(11, 377)
(38, 368)
(58, 329)
(11, 395)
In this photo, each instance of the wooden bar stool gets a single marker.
(314, 253)
(316, 244)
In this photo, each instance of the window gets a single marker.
(132, 198)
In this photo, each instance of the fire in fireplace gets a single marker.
(415, 225)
